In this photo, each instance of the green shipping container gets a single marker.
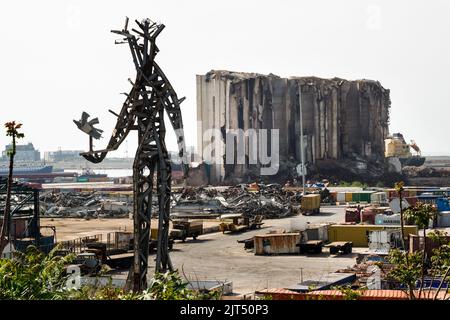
(363, 196)
(356, 197)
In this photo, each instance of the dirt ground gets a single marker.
(218, 256)
(69, 229)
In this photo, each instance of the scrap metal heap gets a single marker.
(269, 201)
(143, 111)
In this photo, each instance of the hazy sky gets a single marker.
(58, 57)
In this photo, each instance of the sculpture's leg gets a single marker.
(142, 187)
(163, 262)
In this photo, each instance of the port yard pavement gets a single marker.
(218, 256)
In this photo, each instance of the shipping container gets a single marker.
(362, 196)
(416, 243)
(340, 197)
(368, 213)
(443, 204)
(154, 234)
(348, 196)
(443, 219)
(310, 204)
(282, 243)
(392, 194)
(382, 219)
(352, 215)
(317, 232)
(379, 198)
(311, 201)
(359, 234)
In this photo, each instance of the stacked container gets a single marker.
(368, 214)
(382, 219)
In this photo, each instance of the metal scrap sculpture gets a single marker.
(143, 111)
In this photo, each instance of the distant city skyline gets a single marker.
(74, 66)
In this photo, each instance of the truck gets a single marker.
(234, 222)
(310, 204)
(183, 228)
(89, 262)
(309, 246)
(238, 222)
(344, 247)
(153, 244)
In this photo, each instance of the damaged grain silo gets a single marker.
(344, 125)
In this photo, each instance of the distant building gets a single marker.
(25, 152)
(62, 155)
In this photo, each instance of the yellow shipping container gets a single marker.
(359, 234)
(348, 196)
(154, 234)
(311, 201)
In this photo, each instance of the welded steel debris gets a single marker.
(270, 201)
(82, 205)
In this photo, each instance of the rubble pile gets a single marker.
(427, 172)
(200, 193)
(81, 205)
(70, 199)
(270, 201)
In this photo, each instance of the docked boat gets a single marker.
(26, 170)
(88, 175)
(396, 146)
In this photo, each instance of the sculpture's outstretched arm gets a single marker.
(125, 123)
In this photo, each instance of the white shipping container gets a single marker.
(379, 197)
(340, 197)
(322, 231)
(382, 219)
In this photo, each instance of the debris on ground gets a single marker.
(270, 201)
(82, 205)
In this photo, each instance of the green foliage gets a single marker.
(33, 275)
(169, 286)
(354, 184)
(439, 237)
(407, 267)
(349, 293)
(265, 297)
(420, 214)
(12, 131)
(399, 187)
(108, 292)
